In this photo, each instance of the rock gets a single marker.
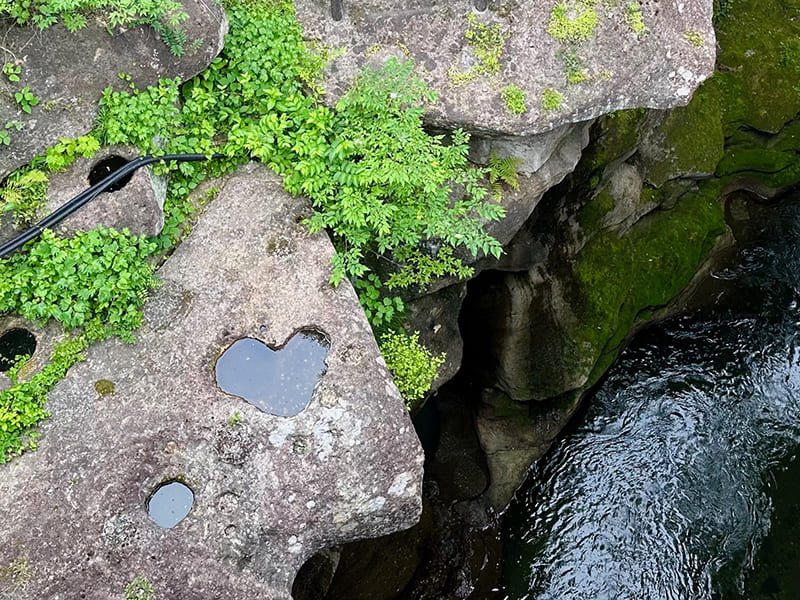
(138, 205)
(514, 435)
(269, 491)
(69, 71)
(657, 68)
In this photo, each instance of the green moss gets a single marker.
(618, 278)
(615, 135)
(756, 47)
(633, 18)
(514, 99)
(572, 22)
(692, 136)
(487, 44)
(573, 68)
(16, 575)
(104, 387)
(590, 217)
(552, 99)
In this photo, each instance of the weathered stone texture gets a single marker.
(269, 491)
(657, 69)
(69, 71)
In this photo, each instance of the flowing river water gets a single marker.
(682, 479)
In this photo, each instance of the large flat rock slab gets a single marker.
(269, 491)
(657, 68)
(69, 71)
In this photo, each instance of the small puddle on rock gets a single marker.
(279, 382)
(13, 343)
(170, 504)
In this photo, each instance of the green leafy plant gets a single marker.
(12, 71)
(552, 99)
(420, 268)
(413, 367)
(514, 99)
(503, 170)
(139, 589)
(163, 15)
(26, 99)
(572, 21)
(100, 275)
(24, 193)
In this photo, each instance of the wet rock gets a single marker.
(659, 68)
(135, 203)
(69, 71)
(269, 492)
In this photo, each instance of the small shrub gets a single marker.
(412, 365)
(503, 170)
(24, 194)
(514, 99)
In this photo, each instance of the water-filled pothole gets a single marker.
(170, 503)
(279, 382)
(105, 167)
(13, 343)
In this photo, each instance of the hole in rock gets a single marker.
(170, 503)
(105, 167)
(13, 343)
(480, 5)
(279, 382)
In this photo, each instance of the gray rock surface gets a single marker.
(269, 491)
(657, 69)
(138, 206)
(69, 71)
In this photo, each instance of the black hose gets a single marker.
(90, 194)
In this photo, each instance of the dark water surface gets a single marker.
(683, 479)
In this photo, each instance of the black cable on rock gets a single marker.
(90, 194)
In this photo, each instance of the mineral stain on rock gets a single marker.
(279, 382)
(170, 504)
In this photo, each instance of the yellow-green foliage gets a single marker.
(412, 365)
(514, 99)
(487, 43)
(16, 575)
(694, 38)
(552, 99)
(503, 170)
(633, 17)
(139, 589)
(572, 21)
(573, 68)
(24, 193)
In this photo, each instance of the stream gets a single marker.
(681, 481)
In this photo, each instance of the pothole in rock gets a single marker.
(279, 382)
(170, 504)
(105, 167)
(13, 343)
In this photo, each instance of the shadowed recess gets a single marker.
(170, 504)
(13, 343)
(279, 382)
(105, 167)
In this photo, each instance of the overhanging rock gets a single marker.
(269, 491)
(657, 67)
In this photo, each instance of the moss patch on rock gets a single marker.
(692, 136)
(758, 55)
(620, 277)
